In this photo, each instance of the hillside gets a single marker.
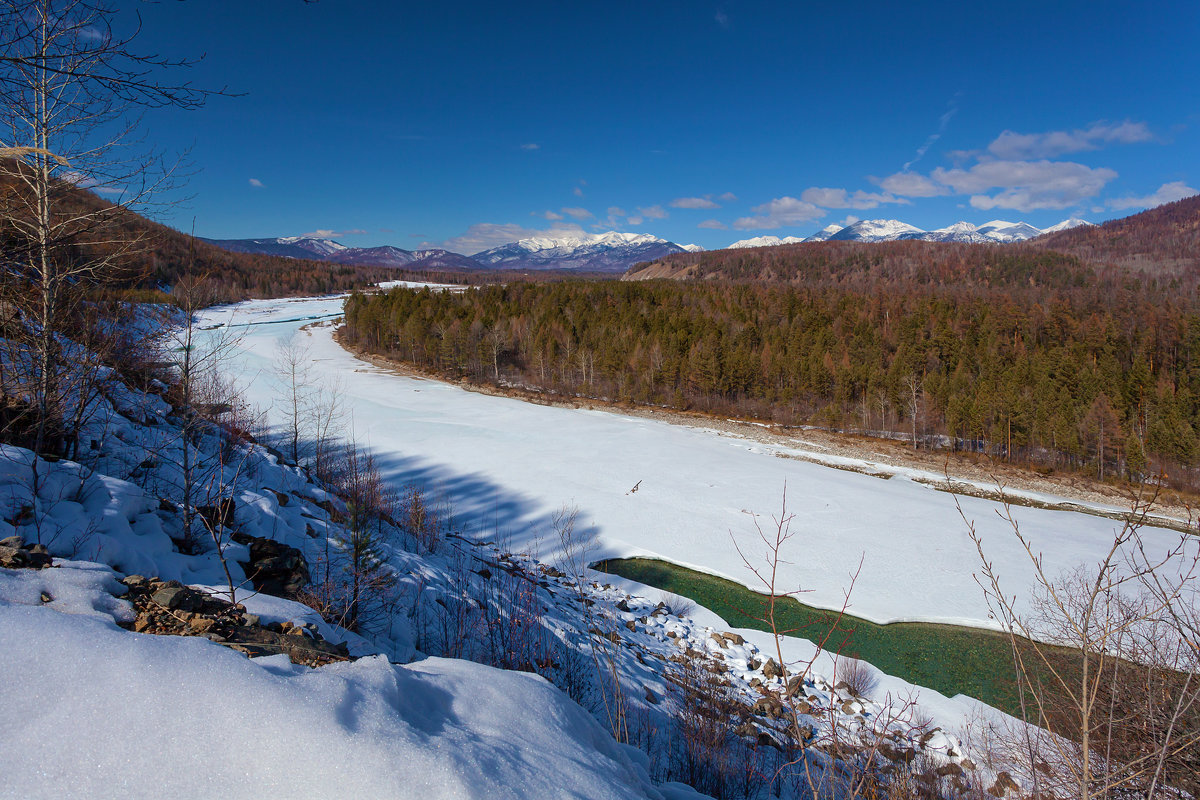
(1166, 238)
(1163, 241)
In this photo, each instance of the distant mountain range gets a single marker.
(613, 252)
(605, 252)
(888, 230)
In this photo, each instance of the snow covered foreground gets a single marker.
(507, 466)
(91, 710)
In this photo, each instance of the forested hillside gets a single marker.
(1026, 354)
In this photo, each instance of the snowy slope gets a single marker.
(102, 712)
(511, 465)
(874, 230)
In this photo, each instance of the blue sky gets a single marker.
(469, 124)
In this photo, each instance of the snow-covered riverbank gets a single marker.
(507, 466)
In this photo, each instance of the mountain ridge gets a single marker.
(611, 252)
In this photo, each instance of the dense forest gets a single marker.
(1035, 357)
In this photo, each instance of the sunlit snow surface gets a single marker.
(507, 466)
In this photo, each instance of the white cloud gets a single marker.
(328, 233)
(576, 213)
(531, 146)
(849, 220)
(780, 212)
(1026, 185)
(486, 235)
(256, 183)
(693, 202)
(911, 184)
(722, 19)
(652, 212)
(943, 121)
(634, 220)
(713, 224)
(577, 191)
(1167, 193)
(727, 197)
(1015, 146)
(616, 211)
(550, 215)
(840, 198)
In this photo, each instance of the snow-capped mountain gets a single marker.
(958, 232)
(874, 230)
(765, 241)
(286, 246)
(999, 230)
(1067, 224)
(824, 234)
(602, 252)
(886, 230)
(385, 256)
(323, 248)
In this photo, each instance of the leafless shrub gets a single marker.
(677, 604)
(859, 676)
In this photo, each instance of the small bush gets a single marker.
(859, 676)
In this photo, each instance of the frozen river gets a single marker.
(508, 466)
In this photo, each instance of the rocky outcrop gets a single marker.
(274, 568)
(168, 608)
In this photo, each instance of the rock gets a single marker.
(274, 568)
(795, 685)
(15, 554)
(968, 764)
(719, 639)
(802, 707)
(769, 706)
(47, 598)
(171, 597)
(133, 580)
(250, 619)
(947, 770)
(623, 605)
(772, 669)
(733, 638)
(201, 624)
(747, 730)
(651, 697)
(631, 625)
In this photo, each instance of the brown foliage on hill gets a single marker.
(1166, 238)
